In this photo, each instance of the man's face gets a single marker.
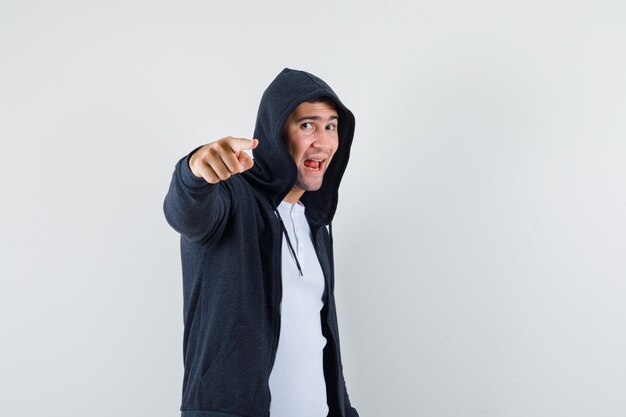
(312, 139)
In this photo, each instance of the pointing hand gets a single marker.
(217, 161)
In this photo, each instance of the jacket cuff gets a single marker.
(187, 177)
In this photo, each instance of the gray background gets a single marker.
(481, 231)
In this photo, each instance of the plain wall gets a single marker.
(481, 230)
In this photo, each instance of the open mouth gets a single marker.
(314, 164)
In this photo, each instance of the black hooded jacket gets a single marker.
(231, 240)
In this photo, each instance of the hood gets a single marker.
(274, 172)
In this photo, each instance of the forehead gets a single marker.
(320, 109)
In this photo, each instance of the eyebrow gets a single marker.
(316, 118)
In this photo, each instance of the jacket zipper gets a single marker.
(277, 314)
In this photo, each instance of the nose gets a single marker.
(324, 141)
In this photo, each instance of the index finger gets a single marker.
(242, 144)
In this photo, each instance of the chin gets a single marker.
(309, 186)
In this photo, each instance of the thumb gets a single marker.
(245, 161)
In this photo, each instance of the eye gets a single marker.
(331, 127)
(306, 125)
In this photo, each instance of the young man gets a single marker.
(261, 335)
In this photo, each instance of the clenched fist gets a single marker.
(217, 161)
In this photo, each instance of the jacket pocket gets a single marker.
(232, 381)
(231, 340)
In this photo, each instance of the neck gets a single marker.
(294, 195)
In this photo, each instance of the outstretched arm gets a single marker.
(196, 203)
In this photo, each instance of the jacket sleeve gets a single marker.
(192, 206)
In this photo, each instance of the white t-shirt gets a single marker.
(297, 380)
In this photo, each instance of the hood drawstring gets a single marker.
(293, 252)
(330, 232)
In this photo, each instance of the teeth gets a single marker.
(312, 161)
